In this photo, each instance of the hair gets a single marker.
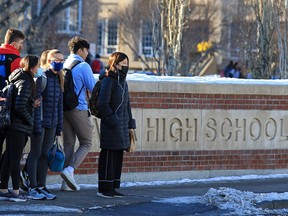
(77, 43)
(43, 59)
(27, 63)
(50, 55)
(13, 35)
(115, 58)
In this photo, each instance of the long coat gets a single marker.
(115, 111)
(22, 116)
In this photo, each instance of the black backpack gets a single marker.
(6, 105)
(70, 98)
(5, 64)
(93, 101)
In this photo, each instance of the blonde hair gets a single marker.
(43, 59)
(50, 55)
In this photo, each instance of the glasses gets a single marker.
(57, 60)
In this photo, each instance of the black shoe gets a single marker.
(106, 194)
(117, 194)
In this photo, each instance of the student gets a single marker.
(21, 126)
(97, 65)
(13, 45)
(78, 121)
(116, 121)
(48, 123)
(44, 65)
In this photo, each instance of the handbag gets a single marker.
(56, 157)
(133, 139)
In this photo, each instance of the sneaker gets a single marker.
(117, 194)
(65, 187)
(106, 194)
(35, 194)
(68, 177)
(47, 193)
(17, 198)
(5, 196)
(24, 181)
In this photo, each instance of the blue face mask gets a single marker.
(39, 72)
(57, 66)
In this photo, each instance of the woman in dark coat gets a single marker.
(21, 126)
(116, 121)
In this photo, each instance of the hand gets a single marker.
(37, 102)
(2, 99)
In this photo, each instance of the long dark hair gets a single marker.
(27, 63)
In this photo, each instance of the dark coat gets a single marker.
(23, 102)
(52, 103)
(115, 111)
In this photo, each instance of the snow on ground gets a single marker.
(238, 202)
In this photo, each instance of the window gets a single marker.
(107, 39)
(147, 40)
(70, 19)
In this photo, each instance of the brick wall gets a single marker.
(192, 160)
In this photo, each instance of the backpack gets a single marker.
(93, 101)
(5, 65)
(6, 105)
(70, 98)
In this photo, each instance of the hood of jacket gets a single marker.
(18, 74)
(8, 49)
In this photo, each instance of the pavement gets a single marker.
(139, 200)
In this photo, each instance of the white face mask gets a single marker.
(39, 73)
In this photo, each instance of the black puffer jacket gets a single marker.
(23, 102)
(115, 111)
(52, 103)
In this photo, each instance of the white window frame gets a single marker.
(67, 29)
(141, 47)
(104, 47)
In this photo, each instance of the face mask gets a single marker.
(125, 69)
(57, 66)
(39, 73)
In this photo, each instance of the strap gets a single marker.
(80, 91)
(73, 64)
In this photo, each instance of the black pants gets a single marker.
(2, 139)
(109, 169)
(15, 142)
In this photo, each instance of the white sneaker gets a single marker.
(65, 187)
(68, 177)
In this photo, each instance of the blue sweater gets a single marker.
(52, 104)
(82, 75)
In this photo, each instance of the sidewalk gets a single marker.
(140, 201)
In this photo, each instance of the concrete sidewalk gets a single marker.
(139, 200)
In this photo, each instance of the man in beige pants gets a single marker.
(77, 121)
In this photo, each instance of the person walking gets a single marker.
(21, 126)
(48, 121)
(116, 121)
(78, 121)
(10, 58)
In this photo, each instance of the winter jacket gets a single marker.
(52, 103)
(115, 111)
(23, 102)
(8, 49)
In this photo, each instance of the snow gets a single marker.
(236, 201)
(207, 79)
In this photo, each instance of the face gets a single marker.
(56, 58)
(83, 53)
(122, 63)
(35, 69)
(19, 45)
